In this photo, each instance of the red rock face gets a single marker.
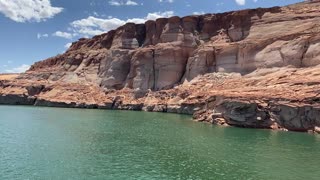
(164, 53)
(253, 68)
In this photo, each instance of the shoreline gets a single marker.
(253, 114)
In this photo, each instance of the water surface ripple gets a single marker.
(56, 143)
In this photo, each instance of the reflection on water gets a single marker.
(54, 143)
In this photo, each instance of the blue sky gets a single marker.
(33, 30)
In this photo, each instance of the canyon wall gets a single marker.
(163, 53)
(255, 68)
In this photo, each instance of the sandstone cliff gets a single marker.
(249, 68)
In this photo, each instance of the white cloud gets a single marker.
(131, 3)
(156, 15)
(28, 10)
(39, 36)
(114, 3)
(169, 1)
(19, 69)
(94, 26)
(67, 45)
(63, 34)
(123, 3)
(241, 2)
(198, 13)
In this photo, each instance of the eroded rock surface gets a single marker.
(250, 68)
(177, 49)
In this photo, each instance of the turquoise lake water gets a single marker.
(57, 143)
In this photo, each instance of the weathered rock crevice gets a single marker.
(305, 49)
(153, 69)
(141, 34)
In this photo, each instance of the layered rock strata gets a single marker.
(249, 68)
